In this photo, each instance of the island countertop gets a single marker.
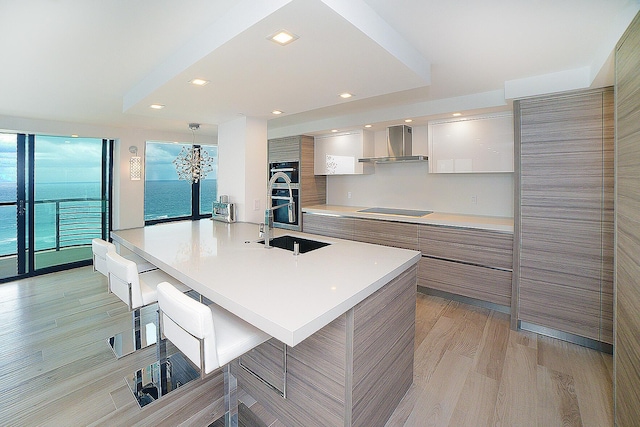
(289, 297)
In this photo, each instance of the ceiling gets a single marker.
(104, 63)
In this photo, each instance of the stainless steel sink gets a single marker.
(305, 245)
(393, 211)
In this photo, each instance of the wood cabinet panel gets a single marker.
(331, 226)
(267, 361)
(355, 370)
(627, 109)
(383, 349)
(471, 281)
(387, 233)
(564, 211)
(482, 247)
(313, 189)
(284, 149)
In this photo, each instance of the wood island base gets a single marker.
(352, 372)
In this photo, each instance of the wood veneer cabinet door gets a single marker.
(388, 233)
(627, 348)
(331, 226)
(563, 217)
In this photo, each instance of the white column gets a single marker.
(242, 166)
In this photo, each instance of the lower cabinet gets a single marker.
(474, 263)
(468, 280)
(328, 225)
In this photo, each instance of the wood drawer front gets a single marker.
(387, 233)
(331, 226)
(482, 247)
(471, 281)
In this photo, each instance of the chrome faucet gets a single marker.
(268, 213)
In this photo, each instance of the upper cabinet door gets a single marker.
(479, 144)
(338, 154)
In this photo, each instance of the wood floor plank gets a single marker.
(469, 368)
(517, 395)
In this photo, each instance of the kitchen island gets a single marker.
(342, 316)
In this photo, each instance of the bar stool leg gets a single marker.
(230, 397)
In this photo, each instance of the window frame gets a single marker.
(195, 197)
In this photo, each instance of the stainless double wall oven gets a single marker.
(280, 194)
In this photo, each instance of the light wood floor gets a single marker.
(470, 369)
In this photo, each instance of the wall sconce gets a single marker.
(135, 164)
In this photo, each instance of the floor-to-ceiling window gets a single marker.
(54, 198)
(168, 198)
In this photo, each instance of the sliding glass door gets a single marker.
(54, 199)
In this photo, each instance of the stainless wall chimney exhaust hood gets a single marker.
(399, 141)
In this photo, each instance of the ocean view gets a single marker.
(163, 199)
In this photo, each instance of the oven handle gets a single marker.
(279, 197)
(282, 170)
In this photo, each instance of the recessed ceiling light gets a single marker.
(74, 135)
(334, 130)
(346, 95)
(456, 114)
(276, 112)
(368, 126)
(408, 120)
(283, 37)
(156, 106)
(199, 82)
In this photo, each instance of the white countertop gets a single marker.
(289, 297)
(492, 223)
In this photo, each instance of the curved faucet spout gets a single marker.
(268, 214)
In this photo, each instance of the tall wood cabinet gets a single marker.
(563, 240)
(299, 148)
(627, 350)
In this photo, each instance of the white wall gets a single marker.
(128, 196)
(242, 168)
(410, 186)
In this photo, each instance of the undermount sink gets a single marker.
(305, 245)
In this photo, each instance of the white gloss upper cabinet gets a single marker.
(471, 145)
(338, 153)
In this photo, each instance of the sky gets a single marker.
(66, 159)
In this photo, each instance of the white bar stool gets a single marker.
(137, 290)
(100, 248)
(209, 336)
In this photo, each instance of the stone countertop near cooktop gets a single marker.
(492, 223)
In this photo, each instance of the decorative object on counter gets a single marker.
(135, 164)
(193, 164)
(223, 210)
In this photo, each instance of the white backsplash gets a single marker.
(410, 186)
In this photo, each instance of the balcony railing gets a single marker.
(61, 223)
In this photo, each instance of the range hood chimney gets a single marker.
(399, 145)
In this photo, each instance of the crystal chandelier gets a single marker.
(193, 163)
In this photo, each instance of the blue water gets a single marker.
(163, 199)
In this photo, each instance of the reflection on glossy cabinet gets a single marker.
(338, 154)
(564, 212)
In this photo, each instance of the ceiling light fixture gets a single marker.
(334, 130)
(276, 112)
(408, 120)
(346, 95)
(156, 106)
(368, 126)
(283, 37)
(199, 82)
(456, 114)
(194, 163)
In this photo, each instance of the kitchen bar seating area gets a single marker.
(469, 369)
